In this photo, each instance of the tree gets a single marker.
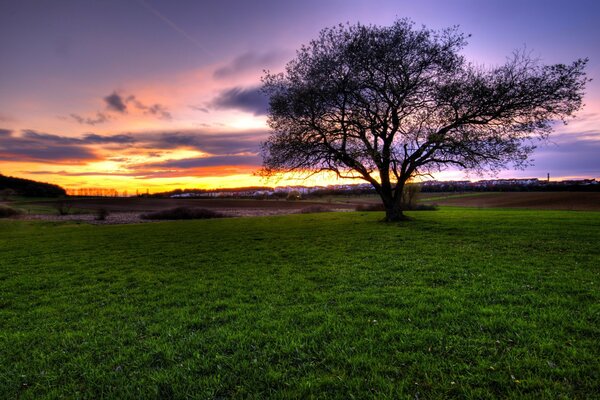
(387, 104)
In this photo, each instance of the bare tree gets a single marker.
(386, 104)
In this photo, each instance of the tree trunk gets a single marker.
(394, 214)
(392, 202)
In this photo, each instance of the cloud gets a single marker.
(200, 162)
(237, 150)
(569, 154)
(92, 138)
(100, 118)
(249, 61)
(214, 143)
(245, 99)
(156, 109)
(122, 104)
(199, 108)
(33, 146)
(115, 102)
(119, 103)
(89, 138)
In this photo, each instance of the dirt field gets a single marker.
(140, 204)
(582, 201)
(128, 210)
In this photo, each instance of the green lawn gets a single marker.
(455, 303)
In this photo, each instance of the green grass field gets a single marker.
(455, 303)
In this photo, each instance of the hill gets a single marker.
(30, 188)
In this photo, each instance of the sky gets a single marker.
(156, 95)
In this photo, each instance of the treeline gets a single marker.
(97, 192)
(26, 187)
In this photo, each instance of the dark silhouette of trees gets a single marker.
(386, 104)
(29, 188)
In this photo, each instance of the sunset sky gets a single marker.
(158, 95)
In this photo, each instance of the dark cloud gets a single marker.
(249, 62)
(92, 138)
(246, 99)
(70, 173)
(47, 138)
(213, 143)
(89, 138)
(121, 104)
(115, 102)
(201, 162)
(33, 146)
(156, 109)
(227, 149)
(100, 118)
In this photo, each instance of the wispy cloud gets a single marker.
(200, 108)
(174, 26)
(156, 109)
(249, 62)
(99, 119)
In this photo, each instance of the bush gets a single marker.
(370, 207)
(62, 207)
(183, 213)
(409, 195)
(422, 207)
(101, 214)
(315, 209)
(405, 207)
(293, 196)
(6, 212)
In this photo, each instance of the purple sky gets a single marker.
(166, 85)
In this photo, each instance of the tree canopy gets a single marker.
(29, 188)
(388, 103)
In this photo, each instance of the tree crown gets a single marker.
(387, 103)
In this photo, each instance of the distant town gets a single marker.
(529, 184)
(526, 184)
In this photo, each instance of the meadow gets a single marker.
(469, 303)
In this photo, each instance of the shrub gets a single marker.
(183, 213)
(423, 207)
(101, 214)
(370, 207)
(6, 212)
(293, 196)
(406, 207)
(409, 195)
(315, 209)
(62, 207)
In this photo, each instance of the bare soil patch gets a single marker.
(128, 210)
(581, 201)
(120, 204)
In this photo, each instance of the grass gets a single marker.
(28, 205)
(455, 303)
